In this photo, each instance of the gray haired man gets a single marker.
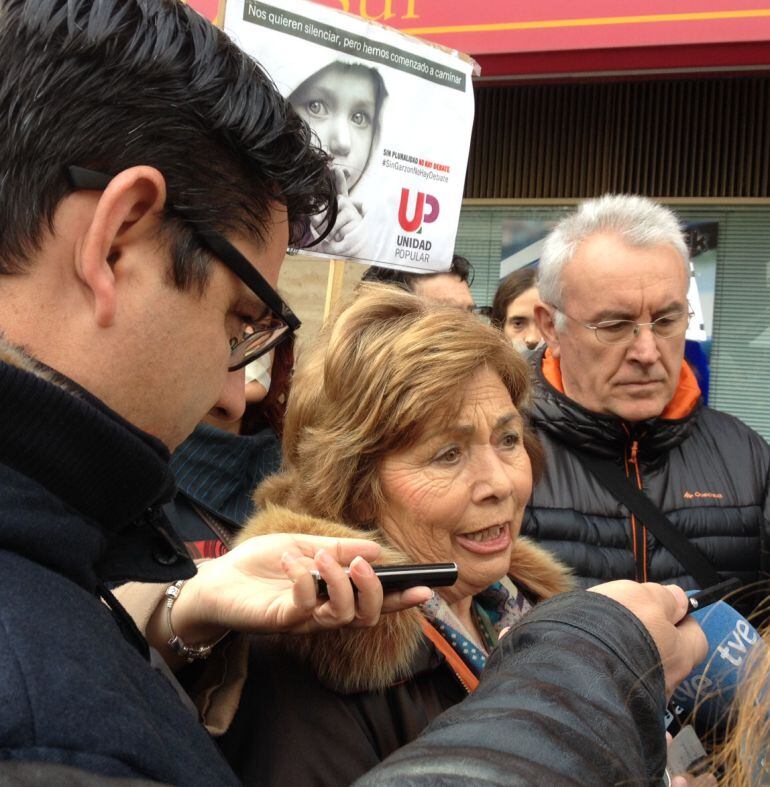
(613, 385)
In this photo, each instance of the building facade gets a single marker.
(576, 99)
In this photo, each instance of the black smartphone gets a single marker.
(394, 578)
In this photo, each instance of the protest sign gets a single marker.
(394, 112)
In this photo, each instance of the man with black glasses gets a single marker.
(618, 409)
(152, 179)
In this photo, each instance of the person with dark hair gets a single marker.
(513, 309)
(152, 178)
(452, 286)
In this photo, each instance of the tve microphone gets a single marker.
(710, 688)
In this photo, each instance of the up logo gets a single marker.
(419, 215)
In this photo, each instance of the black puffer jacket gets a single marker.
(707, 471)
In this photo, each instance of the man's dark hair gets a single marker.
(110, 84)
(511, 287)
(461, 267)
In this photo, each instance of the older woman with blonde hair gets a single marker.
(404, 425)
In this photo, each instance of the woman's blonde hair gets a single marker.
(744, 759)
(382, 371)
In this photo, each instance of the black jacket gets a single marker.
(291, 729)
(80, 495)
(707, 471)
(573, 695)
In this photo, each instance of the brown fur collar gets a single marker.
(350, 660)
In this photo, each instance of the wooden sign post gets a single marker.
(334, 285)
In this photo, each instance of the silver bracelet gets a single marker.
(191, 653)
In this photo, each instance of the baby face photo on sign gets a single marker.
(342, 103)
(393, 113)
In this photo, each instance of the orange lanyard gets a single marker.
(461, 670)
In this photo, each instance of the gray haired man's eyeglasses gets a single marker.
(668, 326)
(257, 336)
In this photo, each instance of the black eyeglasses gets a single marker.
(258, 336)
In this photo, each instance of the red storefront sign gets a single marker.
(550, 25)
(550, 36)
(207, 8)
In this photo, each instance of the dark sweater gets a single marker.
(216, 474)
(80, 497)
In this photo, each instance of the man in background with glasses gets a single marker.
(613, 384)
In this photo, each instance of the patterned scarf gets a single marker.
(499, 606)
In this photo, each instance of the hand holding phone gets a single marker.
(396, 578)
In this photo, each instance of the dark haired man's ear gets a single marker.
(545, 317)
(127, 213)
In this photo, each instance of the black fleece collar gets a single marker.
(95, 462)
